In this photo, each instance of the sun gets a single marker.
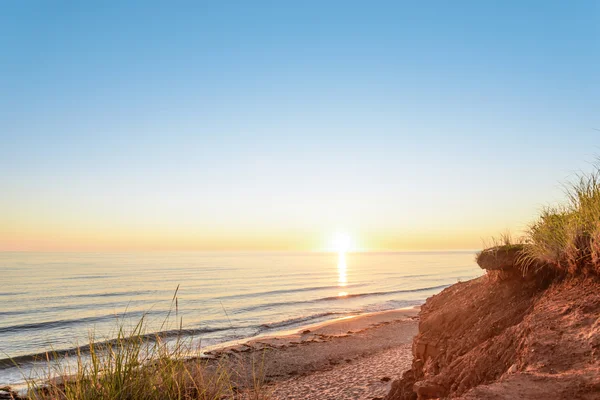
(342, 242)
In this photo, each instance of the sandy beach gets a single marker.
(349, 358)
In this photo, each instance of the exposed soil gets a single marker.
(507, 339)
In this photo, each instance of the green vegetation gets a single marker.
(568, 237)
(140, 366)
(130, 367)
(565, 238)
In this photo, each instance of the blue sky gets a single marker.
(270, 125)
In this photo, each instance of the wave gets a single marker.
(167, 334)
(131, 293)
(8, 313)
(11, 293)
(84, 277)
(112, 294)
(235, 332)
(299, 320)
(79, 307)
(171, 334)
(139, 314)
(350, 296)
(147, 337)
(341, 298)
(69, 322)
(284, 291)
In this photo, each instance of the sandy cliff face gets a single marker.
(509, 338)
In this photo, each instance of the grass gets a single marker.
(565, 238)
(504, 240)
(140, 366)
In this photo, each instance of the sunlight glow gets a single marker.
(342, 278)
(342, 242)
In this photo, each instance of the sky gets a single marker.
(274, 125)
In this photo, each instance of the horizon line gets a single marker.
(249, 251)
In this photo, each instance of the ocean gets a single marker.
(53, 301)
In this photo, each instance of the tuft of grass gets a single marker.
(548, 239)
(133, 367)
(564, 240)
(140, 366)
(504, 241)
(567, 237)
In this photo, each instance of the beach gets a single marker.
(354, 357)
(220, 297)
(348, 358)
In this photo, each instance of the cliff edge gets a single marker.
(507, 335)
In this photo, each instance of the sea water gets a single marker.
(54, 301)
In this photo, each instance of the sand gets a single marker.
(369, 377)
(350, 358)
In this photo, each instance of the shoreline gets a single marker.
(345, 358)
(357, 321)
(377, 343)
(29, 358)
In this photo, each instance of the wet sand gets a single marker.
(350, 358)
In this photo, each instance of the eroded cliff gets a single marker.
(506, 336)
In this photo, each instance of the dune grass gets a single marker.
(140, 366)
(565, 238)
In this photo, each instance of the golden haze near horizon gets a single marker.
(121, 240)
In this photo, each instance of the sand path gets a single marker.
(366, 378)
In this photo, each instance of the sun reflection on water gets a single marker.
(342, 276)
